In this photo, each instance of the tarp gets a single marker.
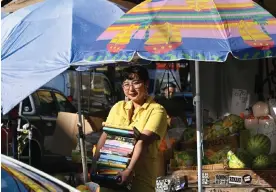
(46, 41)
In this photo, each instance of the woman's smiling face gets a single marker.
(135, 89)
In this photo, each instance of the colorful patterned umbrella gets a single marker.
(202, 30)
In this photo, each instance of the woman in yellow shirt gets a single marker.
(150, 118)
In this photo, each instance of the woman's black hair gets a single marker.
(133, 72)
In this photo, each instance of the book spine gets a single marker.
(115, 165)
(106, 168)
(119, 144)
(119, 153)
(111, 161)
(121, 138)
(115, 158)
(108, 172)
(117, 148)
(118, 131)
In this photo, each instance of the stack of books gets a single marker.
(116, 153)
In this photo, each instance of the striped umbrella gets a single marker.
(199, 30)
(202, 30)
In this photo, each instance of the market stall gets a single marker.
(159, 36)
(184, 39)
(239, 152)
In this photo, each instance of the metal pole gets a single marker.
(81, 135)
(198, 127)
(15, 140)
(30, 135)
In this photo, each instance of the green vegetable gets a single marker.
(234, 123)
(261, 162)
(220, 156)
(259, 144)
(240, 160)
(185, 158)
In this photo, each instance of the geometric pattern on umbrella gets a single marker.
(204, 30)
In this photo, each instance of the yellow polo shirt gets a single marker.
(152, 117)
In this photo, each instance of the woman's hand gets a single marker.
(124, 176)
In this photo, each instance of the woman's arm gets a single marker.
(146, 138)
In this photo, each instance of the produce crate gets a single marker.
(173, 167)
(231, 178)
(214, 144)
(215, 150)
(232, 189)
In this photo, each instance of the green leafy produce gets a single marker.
(234, 123)
(261, 162)
(218, 130)
(189, 134)
(206, 161)
(219, 156)
(208, 133)
(259, 144)
(185, 158)
(240, 160)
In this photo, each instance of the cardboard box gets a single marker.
(65, 138)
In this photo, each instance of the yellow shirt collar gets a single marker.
(129, 104)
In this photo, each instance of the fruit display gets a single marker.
(227, 126)
(185, 158)
(233, 122)
(239, 160)
(218, 156)
(251, 122)
(259, 144)
(260, 109)
(255, 156)
(261, 162)
(189, 134)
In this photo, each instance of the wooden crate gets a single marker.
(214, 144)
(232, 189)
(172, 167)
(260, 178)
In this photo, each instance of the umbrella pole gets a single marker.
(81, 135)
(198, 127)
